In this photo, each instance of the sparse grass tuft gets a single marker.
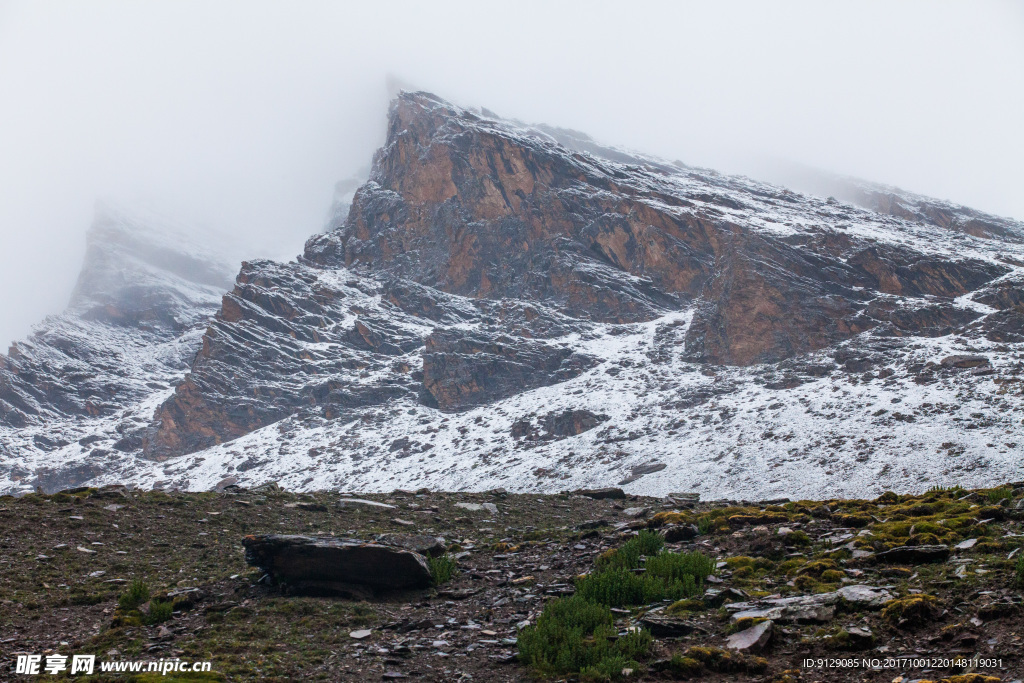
(137, 593)
(998, 494)
(159, 611)
(911, 611)
(442, 569)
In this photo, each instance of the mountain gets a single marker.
(75, 394)
(517, 306)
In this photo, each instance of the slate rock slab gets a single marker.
(332, 565)
(754, 638)
(607, 493)
(663, 626)
(914, 554)
(805, 609)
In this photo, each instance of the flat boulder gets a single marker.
(807, 609)
(362, 502)
(914, 554)
(663, 626)
(328, 565)
(607, 493)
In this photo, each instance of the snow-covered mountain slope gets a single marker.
(521, 307)
(74, 395)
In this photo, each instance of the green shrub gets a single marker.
(159, 611)
(996, 495)
(706, 525)
(668, 576)
(680, 566)
(137, 593)
(442, 569)
(646, 543)
(573, 635)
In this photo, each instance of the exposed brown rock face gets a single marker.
(461, 204)
(557, 425)
(476, 243)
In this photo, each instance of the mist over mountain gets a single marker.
(242, 122)
(519, 306)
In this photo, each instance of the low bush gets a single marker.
(442, 569)
(137, 593)
(646, 543)
(667, 576)
(159, 611)
(576, 636)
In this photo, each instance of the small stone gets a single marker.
(360, 634)
(965, 545)
(85, 550)
(472, 507)
(860, 636)
(636, 512)
(360, 502)
(403, 522)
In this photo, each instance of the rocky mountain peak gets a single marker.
(485, 208)
(140, 273)
(516, 305)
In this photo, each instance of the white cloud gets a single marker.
(242, 115)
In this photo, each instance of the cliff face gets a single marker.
(77, 394)
(520, 306)
(476, 241)
(473, 207)
(136, 291)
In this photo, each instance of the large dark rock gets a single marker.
(914, 554)
(327, 565)
(607, 493)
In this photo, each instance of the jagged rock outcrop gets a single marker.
(136, 294)
(519, 306)
(480, 241)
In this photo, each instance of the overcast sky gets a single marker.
(240, 116)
